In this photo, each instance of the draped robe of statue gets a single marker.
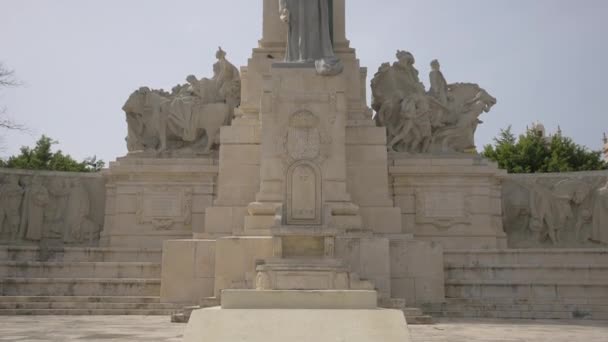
(35, 201)
(309, 37)
(78, 209)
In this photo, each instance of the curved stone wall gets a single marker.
(560, 210)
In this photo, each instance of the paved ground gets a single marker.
(510, 331)
(156, 329)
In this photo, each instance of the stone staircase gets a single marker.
(527, 284)
(80, 281)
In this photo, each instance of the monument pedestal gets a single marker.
(455, 199)
(297, 316)
(150, 200)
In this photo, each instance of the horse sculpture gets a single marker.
(468, 102)
(155, 118)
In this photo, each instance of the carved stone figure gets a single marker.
(11, 195)
(79, 227)
(552, 210)
(188, 118)
(600, 216)
(444, 120)
(34, 203)
(55, 211)
(439, 86)
(458, 134)
(309, 36)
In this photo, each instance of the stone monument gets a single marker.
(280, 199)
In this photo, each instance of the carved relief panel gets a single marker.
(304, 194)
(442, 208)
(164, 206)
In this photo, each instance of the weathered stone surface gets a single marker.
(556, 210)
(297, 325)
(54, 208)
(325, 300)
(150, 200)
(452, 200)
(188, 271)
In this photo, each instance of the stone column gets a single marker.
(275, 32)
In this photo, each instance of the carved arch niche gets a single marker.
(304, 194)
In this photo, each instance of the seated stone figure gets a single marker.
(189, 118)
(443, 120)
(403, 106)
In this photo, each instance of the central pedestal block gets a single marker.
(218, 325)
(297, 316)
(326, 300)
(303, 172)
(284, 274)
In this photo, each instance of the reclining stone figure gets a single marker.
(190, 117)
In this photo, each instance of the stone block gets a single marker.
(330, 300)
(272, 325)
(253, 223)
(245, 135)
(231, 155)
(225, 220)
(382, 220)
(366, 136)
(187, 271)
(404, 288)
(236, 260)
(417, 267)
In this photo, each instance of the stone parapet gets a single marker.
(454, 200)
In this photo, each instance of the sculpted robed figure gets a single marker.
(309, 37)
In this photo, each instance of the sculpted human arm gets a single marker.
(283, 11)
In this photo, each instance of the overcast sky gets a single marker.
(543, 60)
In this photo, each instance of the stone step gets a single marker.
(514, 309)
(531, 273)
(86, 306)
(392, 303)
(419, 320)
(412, 315)
(79, 287)
(70, 269)
(82, 254)
(85, 312)
(80, 299)
(209, 302)
(530, 290)
(544, 257)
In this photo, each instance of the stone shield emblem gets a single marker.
(303, 137)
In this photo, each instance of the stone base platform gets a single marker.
(297, 316)
(297, 326)
(330, 300)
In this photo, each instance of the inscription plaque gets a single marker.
(442, 208)
(303, 194)
(163, 207)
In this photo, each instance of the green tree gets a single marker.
(534, 153)
(41, 157)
